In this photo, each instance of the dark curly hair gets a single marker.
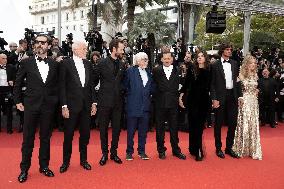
(223, 46)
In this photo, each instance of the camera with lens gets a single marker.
(29, 37)
(95, 40)
(67, 45)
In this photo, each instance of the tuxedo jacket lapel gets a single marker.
(75, 72)
(173, 74)
(233, 70)
(87, 72)
(221, 69)
(35, 69)
(51, 70)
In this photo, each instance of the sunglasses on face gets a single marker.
(40, 42)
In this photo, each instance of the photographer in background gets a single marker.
(12, 56)
(22, 50)
(55, 50)
(95, 41)
(67, 45)
(105, 50)
(7, 77)
(127, 52)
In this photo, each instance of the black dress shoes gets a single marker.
(63, 168)
(20, 129)
(162, 155)
(10, 132)
(220, 154)
(116, 159)
(103, 160)
(179, 155)
(199, 156)
(46, 172)
(86, 165)
(231, 153)
(23, 176)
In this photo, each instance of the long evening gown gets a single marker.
(247, 138)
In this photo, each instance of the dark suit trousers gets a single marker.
(43, 118)
(6, 105)
(197, 119)
(82, 119)
(132, 124)
(105, 115)
(267, 112)
(229, 109)
(170, 115)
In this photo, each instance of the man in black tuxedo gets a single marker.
(41, 96)
(77, 97)
(224, 95)
(167, 80)
(110, 73)
(7, 78)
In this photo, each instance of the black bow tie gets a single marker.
(3, 67)
(226, 61)
(42, 59)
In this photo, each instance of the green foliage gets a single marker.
(152, 22)
(265, 32)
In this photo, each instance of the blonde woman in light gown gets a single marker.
(247, 138)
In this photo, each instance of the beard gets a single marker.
(40, 50)
(119, 55)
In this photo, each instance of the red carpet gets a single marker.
(212, 173)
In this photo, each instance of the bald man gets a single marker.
(7, 77)
(77, 94)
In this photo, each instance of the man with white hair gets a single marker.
(139, 86)
(77, 97)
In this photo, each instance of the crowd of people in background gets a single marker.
(173, 88)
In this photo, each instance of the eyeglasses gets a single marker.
(13, 46)
(40, 42)
(146, 59)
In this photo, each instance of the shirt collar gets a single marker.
(168, 68)
(222, 60)
(141, 69)
(76, 58)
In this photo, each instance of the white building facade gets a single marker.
(45, 18)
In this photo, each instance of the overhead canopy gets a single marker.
(243, 5)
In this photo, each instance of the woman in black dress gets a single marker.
(197, 87)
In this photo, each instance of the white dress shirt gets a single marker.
(228, 74)
(80, 69)
(3, 78)
(168, 71)
(43, 69)
(143, 75)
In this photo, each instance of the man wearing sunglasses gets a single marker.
(39, 103)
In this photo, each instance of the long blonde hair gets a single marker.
(244, 71)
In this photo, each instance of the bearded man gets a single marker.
(39, 103)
